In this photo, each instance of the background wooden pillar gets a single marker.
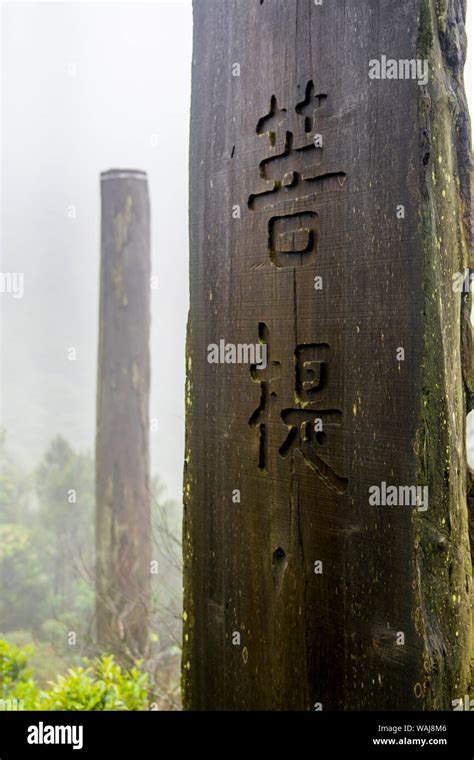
(122, 446)
(329, 212)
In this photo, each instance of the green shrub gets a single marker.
(101, 685)
(44, 659)
(16, 682)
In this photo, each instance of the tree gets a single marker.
(65, 488)
(15, 486)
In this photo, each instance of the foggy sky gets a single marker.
(85, 88)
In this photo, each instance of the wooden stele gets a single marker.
(330, 209)
(122, 445)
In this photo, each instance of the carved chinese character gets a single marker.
(292, 174)
(310, 423)
(267, 379)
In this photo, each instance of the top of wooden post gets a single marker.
(123, 174)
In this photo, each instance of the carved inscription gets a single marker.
(292, 174)
(312, 373)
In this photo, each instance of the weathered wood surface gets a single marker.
(329, 639)
(123, 532)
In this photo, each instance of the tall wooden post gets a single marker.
(122, 458)
(325, 533)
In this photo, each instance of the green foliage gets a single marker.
(61, 471)
(15, 487)
(47, 581)
(16, 682)
(13, 664)
(101, 685)
(64, 529)
(47, 545)
(65, 520)
(22, 579)
(44, 659)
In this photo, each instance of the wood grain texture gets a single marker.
(123, 531)
(326, 638)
